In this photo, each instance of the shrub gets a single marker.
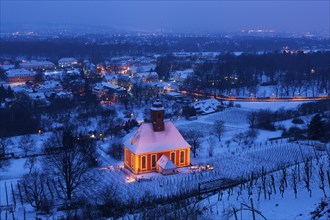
(116, 149)
(297, 121)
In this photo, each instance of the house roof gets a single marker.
(67, 60)
(208, 105)
(146, 140)
(7, 67)
(166, 163)
(36, 63)
(19, 72)
(112, 86)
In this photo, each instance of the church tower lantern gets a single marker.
(157, 116)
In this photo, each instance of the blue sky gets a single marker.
(196, 16)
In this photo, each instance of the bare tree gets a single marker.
(192, 209)
(263, 181)
(211, 143)
(194, 138)
(249, 188)
(3, 151)
(116, 149)
(251, 135)
(269, 190)
(26, 144)
(218, 128)
(33, 188)
(273, 183)
(294, 182)
(238, 138)
(65, 161)
(321, 175)
(30, 162)
(307, 177)
(284, 174)
(281, 188)
(252, 119)
(102, 126)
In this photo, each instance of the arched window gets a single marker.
(143, 162)
(153, 160)
(132, 161)
(173, 157)
(126, 155)
(182, 157)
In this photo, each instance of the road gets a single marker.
(257, 99)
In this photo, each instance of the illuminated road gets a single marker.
(258, 99)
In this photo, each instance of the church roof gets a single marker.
(166, 163)
(145, 140)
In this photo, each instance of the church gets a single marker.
(157, 146)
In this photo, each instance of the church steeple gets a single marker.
(157, 115)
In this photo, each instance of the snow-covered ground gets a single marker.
(269, 105)
(230, 160)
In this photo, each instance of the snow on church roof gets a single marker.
(145, 140)
(166, 163)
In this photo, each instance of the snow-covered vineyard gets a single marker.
(273, 157)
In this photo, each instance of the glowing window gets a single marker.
(173, 157)
(144, 162)
(181, 156)
(153, 160)
(132, 161)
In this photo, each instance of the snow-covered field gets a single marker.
(269, 105)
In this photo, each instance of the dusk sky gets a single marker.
(191, 16)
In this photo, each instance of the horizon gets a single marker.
(210, 17)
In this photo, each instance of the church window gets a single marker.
(132, 161)
(144, 162)
(153, 161)
(181, 156)
(173, 157)
(126, 156)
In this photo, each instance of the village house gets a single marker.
(7, 66)
(208, 106)
(111, 78)
(54, 74)
(37, 65)
(50, 86)
(19, 75)
(156, 146)
(148, 76)
(109, 92)
(67, 62)
(181, 75)
(142, 68)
